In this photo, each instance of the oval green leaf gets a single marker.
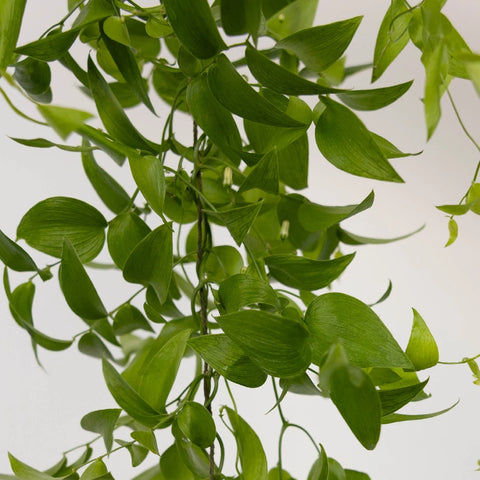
(14, 256)
(197, 424)
(102, 422)
(50, 48)
(422, 348)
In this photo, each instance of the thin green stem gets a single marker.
(64, 19)
(230, 394)
(19, 112)
(87, 444)
(462, 361)
(277, 400)
(280, 442)
(126, 302)
(254, 260)
(307, 433)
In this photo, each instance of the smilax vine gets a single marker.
(253, 77)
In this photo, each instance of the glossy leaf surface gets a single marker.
(102, 422)
(422, 348)
(11, 13)
(197, 424)
(14, 256)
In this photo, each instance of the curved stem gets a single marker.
(462, 361)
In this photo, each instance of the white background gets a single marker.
(40, 411)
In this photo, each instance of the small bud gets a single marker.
(284, 230)
(227, 177)
(243, 270)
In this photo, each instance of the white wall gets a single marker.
(40, 411)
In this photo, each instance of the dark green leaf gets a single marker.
(11, 13)
(102, 422)
(129, 318)
(422, 348)
(24, 472)
(250, 450)
(64, 120)
(127, 398)
(194, 25)
(93, 11)
(385, 295)
(52, 47)
(394, 399)
(90, 344)
(241, 16)
(147, 439)
(14, 256)
(278, 345)
(153, 373)
(399, 417)
(148, 174)
(128, 67)
(150, 262)
(274, 474)
(302, 385)
(112, 115)
(116, 150)
(197, 424)
(315, 217)
(96, 471)
(170, 83)
(124, 233)
(319, 47)
(264, 175)
(291, 17)
(107, 188)
(319, 470)
(235, 94)
(360, 155)
(374, 99)
(306, 274)
(354, 475)
(47, 223)
(392, 37)
(138, 453)
(336, 317)
(33, 75)
(228, 360)
(214, 119)
(353, 239)
(77, 288)
(278, 78)
(244, 290)
(238, 220)
(173, 467)
(293, 163)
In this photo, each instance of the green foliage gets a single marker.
(250, 304)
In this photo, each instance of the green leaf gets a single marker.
(306, 274)
(147, 439)
(293, 17)
(128, 67)
(63, 120)
(102, 422)
(11, 13)
(274, 474)
(241, 16)
(473, 198)
(92, 12)
(375, 98)
(193, 23)
(319, 47)
(112, 115)
(319, 470)
(336, 317)
(127, 398)
(389, 149)
(355, 397)
(243, 290)
(147, 171)
(392, 37)
(360, 155)
(96, 471)
(116, 150)
(43, 143)
(150, 262)
(115, 30)
(278, 345)
(153, 373)
(422, 348)
(90, 344)
(124, 233)
(278, 78)
(354, 475)
(47, 223)
(107, 188)
(14, 256)
(237, 96)
(173, 467)
(212, 117)
(399, 417)
(394, 399)
(222, 262)
(302, 385)
(265, 175)
(197, 424)
(158, 27)
(453, 231)
(252, 456)
(25, 472)
(238, 220)
(129, 318)
(77, 288)
(229, 360)
(350, 238)
(33, 75)
(138, 453)
(315, 217)
(50, 48)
